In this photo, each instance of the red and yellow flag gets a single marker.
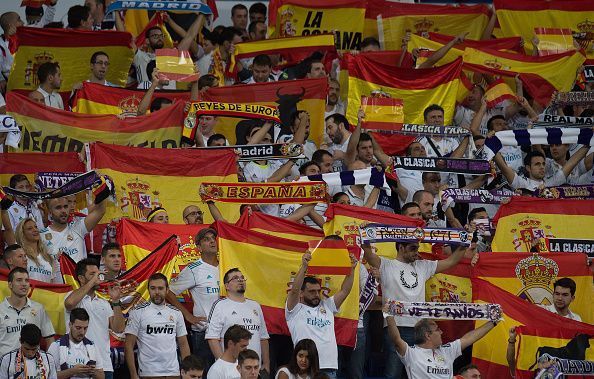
(30, 164)
(536, 328)
(382, 113)
(290, 18)
(95, 98)
(52, 130)
(51, 296)
(395, 19)
(541, 76)
(417, 88)
(520, 18)
(524, 219)
(289, 96)
(344, 221)
(176, 65)
(72, 49)
(270, 264)
(554, 40)
(329, 257)
(278, 226)
(497, 92)
(134, 281)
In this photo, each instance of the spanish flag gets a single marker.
(270, 264)
(291, 18)
(535, 326)
(95, 98)
(278, 226)
(520, 18)
(147, 178)
(329, 257)
(137, 239)
(176, 65)
(51, 296)
(30, 164)
(382, 113)
(52, 130)
(289, 95)
(541, 76)
(497, 92)
(344, 221)
(134, 281)
(72, 49)
(554, 40)
(525, 219)
(417, 88)
(291, 49)
(398, 18)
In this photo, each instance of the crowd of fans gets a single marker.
(227, 337)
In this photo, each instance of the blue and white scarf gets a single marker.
(370, 175)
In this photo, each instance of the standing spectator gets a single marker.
(75, 355)
(257, 31)
(9, 22)
(239, 17)
(236, 309)
(80, 18)
(304, 304)
(14, 256)
(337, 129)
(333, 103)
(17, 310)
(304, 362)
(40, 264)
(158, 329)
(50, 79)
(154, 40)
(563, 295)
(158, 216)
(97, 10)
(258, 12)
(103, 314)
(28, 359)
(112, 261)
(22, 207)
(236, 340)
(193, 215)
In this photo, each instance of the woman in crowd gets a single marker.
(40, 264)
(304, 363)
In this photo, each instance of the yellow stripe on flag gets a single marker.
(329, 257)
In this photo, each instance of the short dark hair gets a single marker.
(229, 272)
(369, 41)
(259, 8)
(310, 63)
(77, 14)
(338, 118)
(472, 214)
(109, 246)
(262, 60)
(309, 280)
(467, 367)
(215, 137)
(237, 7)
(149, 30)
(337, 196)
(96, 54)
(158, 103)
(229, 32)
(158, 276)
(11, 249)
(318, 156)
(306, 165)
(407, 206)
(192, 362)
(431, 108)
(532, 154)
(236, 333)
(252, 26)
(79, 314)
(81, 266)
(14, 271)
(46, 69)
(490, 122)
(16, 179)
(31, 335)
(363, 137)
(247, 354)
(207, 80)
(566, 283)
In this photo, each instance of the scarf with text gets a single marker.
(559, 367)
(573, 98)
(264, 151)
(566, 192)
(480, 196)
(195, 6)
(379, 233)
(264, 193)
(556, 121)
(370, 175)
(444, 311)
(425, 130)
(8, 125)
(442, 164)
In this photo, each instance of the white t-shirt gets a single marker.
(431, 364)
(226, 313)
(44, 272)
(70, 241)
(12, 321)
(286, 371)
(141, 60)
(405, 281)
(18, 212)
(8, 367)
(99, 313)
(288, 209)
(77, 355)
(444, 146)
(223, 370)
(51, 99)
(531, 184)
(552, 168)
(202, 280)
(412, 180)
(257, 173)
(513, 157)
(156, 328)
(316, 324)
(570, 315)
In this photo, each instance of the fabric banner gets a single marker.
(137, 239)
(264, 193)
(134, 281)
(564, 367)
(72, 187)
(445, 311)
(435, 164)
(8, 125)
(497, 92)
(292, 50)
(345, 220)
(381, 112)
(554, 40)
(428, 130)
(58, 131)
(370, 289)
(288, 96)
(98, 99)
(395, 19)
(565, 245)
(329, 257)
(156, 20)
(278, 226)
(368, 176)
(290, 18)
(549, 120)
(524, 219)
(417, 88)
(51, 296)
(264, 151)
(195, 6)
(250, 251)
(176, 65)
(588, 73)
(541, 76)
(480, 196)
(72, 49)
(537, 328)
(380, 233)
(53, 180)
(521, 18)
(566, 192)
(573, 98)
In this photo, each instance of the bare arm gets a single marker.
(394, 334)
(184, 348)
(452, 260)
(379, 153)
(189, 40)
(574, 160)
(441, 52)
(260, 133)
(145, 102)
(351, 153)
(461, 149)
(347, 284)
(505, 169)
(117, 322)
(282, 172)
(300, 212)
(215, 348)
(215, 212)
(475, 124)
(9, 237)
(488, 32)
(77, 295)
(475, 335)
(129, 355)
(95, 215)
(265, 347)
(372, 199)
(293, 295)
(317, 218)
(510, 353)
(372, 258)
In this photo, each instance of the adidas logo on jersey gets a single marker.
(167, 329)
(233, 313)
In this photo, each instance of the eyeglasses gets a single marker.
(238, 278)
(194, 214)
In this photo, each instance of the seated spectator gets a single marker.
(40, 264)
(304, 362)
(14, 256)
(191, 367)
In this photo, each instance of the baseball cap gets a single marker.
(203, 232)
